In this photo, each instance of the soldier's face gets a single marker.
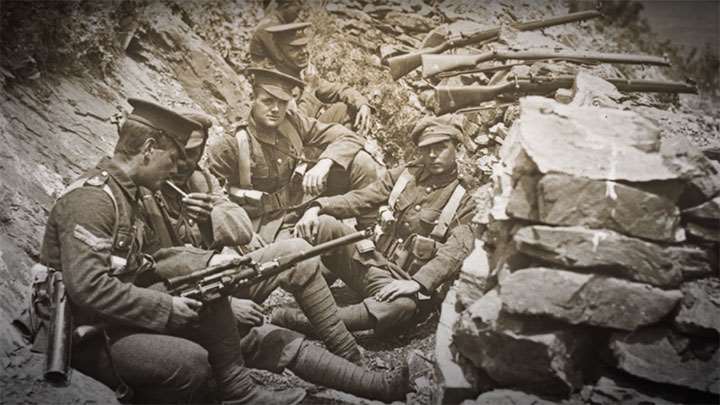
(296, 55)
(158, 166)
(439, 157)
(267, 110)
(187, 166)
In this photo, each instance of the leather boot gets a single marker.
(317, 303)
(355, 317)
(318, 366)
(221, 339)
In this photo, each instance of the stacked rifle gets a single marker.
(452, 98)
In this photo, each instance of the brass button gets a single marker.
(279, 160)
(104, 173)
(400, 240)
(121, 243)
(407, 224)
(428, 189)
(418, 207)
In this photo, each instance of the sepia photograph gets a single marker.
(340, 202)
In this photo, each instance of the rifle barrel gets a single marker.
(174, 282)
(325, 247)
(403, 64)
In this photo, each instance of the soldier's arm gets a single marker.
(450, 255)
(329, 93)
(222, 161)
(85, 223)
(361, 201)
(339, 144)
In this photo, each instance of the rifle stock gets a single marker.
(403, 64)
(57, 355)
(435, 64)
(450, 98)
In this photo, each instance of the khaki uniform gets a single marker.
(95, 235)
(417, 211)
(274, 158)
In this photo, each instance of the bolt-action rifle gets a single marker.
(451, 98)
(223, 279)
(435, 64)
(403, 64)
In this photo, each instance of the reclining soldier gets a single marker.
(425, 215)
(204, 218)
(164, 348)
(270, 154)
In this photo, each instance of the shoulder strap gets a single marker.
(83, 182)
(447, 213)
(244, 170)
(399, 187)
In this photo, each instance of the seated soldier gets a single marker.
(262, 46)
(203, 218)
(425, 214)
(270, 154)
(161, 347)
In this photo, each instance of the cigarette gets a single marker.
(176, 188)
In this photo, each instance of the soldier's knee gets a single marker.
(364, 170)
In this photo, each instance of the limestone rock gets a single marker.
(473, 279)
(589, 90)
(660, 355)
(703, 232)
(689, 163)
(566, 200)
(507, 397)
(600, 251)
(694, 261)
(608, 392)
(585, 299)
(700, 307)
(707, 213)
(497, 343)
(597, 143)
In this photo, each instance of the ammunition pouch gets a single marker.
(34, 321)
(413, 253)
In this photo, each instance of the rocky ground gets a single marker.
(63, 83)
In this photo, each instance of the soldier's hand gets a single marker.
(184, 312)
(247, 312)
(315, 179)
(199, 205)
(362, 120)
(307, 227)
(397, 288)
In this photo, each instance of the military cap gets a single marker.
(291, 34)
(197, 138)
(431, 130)
(278, 84)
(171, 124)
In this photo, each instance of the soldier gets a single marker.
(162, 347)
(270, 154)
(425, 217)
(321, 99)
(262, 46)
(199, 216)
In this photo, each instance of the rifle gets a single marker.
(403, 64)
(57, 354)
(223, 279)
(434, 64)
(451, 98)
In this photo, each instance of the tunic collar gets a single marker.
(437, 181)
(128, 186)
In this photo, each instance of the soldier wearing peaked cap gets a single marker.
(261, 43)
(286, 155)
(203, 220)
(323, 100)
(95, 237)
(425, 217)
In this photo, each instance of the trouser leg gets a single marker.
(363, 171)
(311, 292)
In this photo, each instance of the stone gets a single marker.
(703, 232)
(596, 143)
(507, 397)
(700, 307)
(574, 201)
(608, 392)
(409, 22)
(473, 279)
(452, 384)
(585, 298)
(601, 252)
(592, 91)
(702, 175)
(498, 343)
(707, 213)
(694, 261)
(661, 355)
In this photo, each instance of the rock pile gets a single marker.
(601, 249)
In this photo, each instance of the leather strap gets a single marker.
(447, 213)
(399, 187)
(244, 159)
